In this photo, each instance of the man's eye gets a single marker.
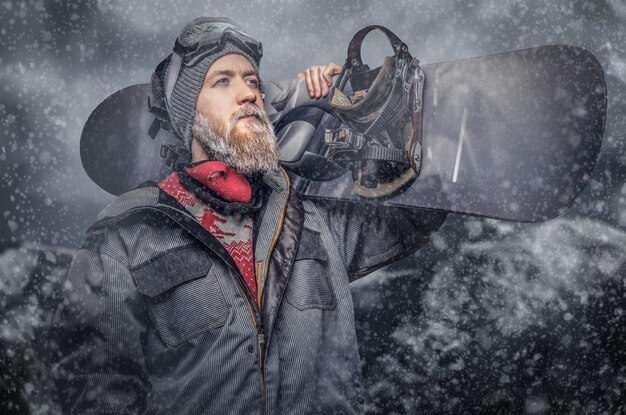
(253, 82)
(222, 81)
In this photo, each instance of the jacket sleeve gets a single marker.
(370, 236)
(282, 97)
(99, 327)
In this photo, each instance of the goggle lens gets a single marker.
(224, 32)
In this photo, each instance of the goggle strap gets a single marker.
(155, 126)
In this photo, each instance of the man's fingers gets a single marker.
(330, 70)
(307, 79)
(309, 82)
(316, 75)
(328, 78)
(319, 78)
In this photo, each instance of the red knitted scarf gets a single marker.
(233, 230)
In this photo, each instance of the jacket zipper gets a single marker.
(261, 341)
(261, 281)
(260, 335)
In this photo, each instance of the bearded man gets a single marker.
(220, 290)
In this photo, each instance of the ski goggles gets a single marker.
(215, 36)
(218, 34)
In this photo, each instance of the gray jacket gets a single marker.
(157, 317)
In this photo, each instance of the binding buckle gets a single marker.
(343, 138)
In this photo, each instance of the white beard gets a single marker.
(248, 151)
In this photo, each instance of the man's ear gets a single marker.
(261, 89)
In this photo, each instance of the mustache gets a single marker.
(248, 110)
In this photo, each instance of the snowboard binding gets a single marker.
(379, 139)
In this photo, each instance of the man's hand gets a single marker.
(319, 78)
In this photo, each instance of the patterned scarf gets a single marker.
(232, 227)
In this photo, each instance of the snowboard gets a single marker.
(512, 136)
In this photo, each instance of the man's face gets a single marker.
(230, 123)
(230, 83)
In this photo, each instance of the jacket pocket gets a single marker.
(184, 294)
(310, 286)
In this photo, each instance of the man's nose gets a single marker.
(246, 94)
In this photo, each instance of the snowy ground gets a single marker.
(520, 322)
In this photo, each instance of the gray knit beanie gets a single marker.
(189, 81)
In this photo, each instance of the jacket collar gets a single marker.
(270, 222)
(277, 180)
